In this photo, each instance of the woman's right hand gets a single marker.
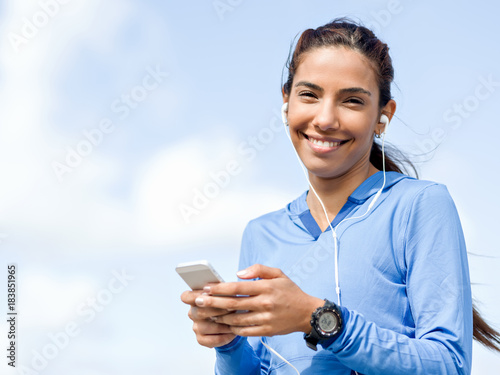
(208, 333)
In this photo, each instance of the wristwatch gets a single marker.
(326, 323)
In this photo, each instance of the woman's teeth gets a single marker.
(324, 143)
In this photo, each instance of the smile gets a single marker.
(324, 143)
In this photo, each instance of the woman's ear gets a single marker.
(284, 95)
(389, 109)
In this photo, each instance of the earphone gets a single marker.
(384, 120)
(284, 110)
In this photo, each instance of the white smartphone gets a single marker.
(198, 274)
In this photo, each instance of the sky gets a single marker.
(135, 135)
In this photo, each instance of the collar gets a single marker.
(299, 211)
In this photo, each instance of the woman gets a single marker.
(368, 268)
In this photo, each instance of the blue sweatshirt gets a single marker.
(404, 280)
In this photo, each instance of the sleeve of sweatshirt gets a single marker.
(244, 355)
(438, 289)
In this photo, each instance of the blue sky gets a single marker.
(135, 135)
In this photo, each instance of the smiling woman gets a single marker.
(387, 248)
(319, 102)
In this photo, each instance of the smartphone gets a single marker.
(198, 274)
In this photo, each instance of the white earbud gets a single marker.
(384, 120)
(284, 110)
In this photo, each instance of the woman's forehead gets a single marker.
(334, 66)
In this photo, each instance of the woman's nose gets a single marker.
(325, 118)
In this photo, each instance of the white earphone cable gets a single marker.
(334, 230)
(337, 288)
(279, 355)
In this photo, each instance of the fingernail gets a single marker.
(241, 273)
(206, 290)
(199, 301)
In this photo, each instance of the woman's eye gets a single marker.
(354, 101)
(307, 94)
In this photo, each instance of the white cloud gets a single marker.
(182, 176)
(32, 202)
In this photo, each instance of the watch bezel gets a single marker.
(327, 308)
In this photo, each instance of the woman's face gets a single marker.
(333, 111)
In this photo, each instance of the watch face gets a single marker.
(328, 322)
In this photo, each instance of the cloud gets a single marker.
(77, 212)
(183, 195)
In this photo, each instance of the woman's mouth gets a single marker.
(324, 144)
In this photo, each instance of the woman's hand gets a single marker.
(208, 332)
(274, 305)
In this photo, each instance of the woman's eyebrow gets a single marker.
(348, 90)
(312, 86)
(355, 90)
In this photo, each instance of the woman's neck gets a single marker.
(334, 193)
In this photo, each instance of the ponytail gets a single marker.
(402, 165)
(484, 333)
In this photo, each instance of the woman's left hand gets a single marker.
(273, 305)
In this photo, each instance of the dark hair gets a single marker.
(344, 32)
